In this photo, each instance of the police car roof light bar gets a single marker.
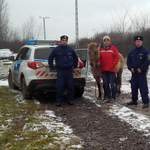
(31, 42)
(43, 42)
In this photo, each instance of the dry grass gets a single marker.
(22, 128)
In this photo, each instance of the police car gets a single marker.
(30, 71)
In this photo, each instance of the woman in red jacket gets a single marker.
(109, 58)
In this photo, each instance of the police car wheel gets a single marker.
(79, 92)
(11, 83)
(27, 94)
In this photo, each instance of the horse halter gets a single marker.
(92, 58)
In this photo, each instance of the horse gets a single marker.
(94, 55)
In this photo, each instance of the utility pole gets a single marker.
(76, 24)
(44, 25)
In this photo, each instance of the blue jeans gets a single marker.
(109, 83)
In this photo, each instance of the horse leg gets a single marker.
(118, 82)
(99, 88)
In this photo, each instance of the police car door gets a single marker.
(19, 59)
(83, 55)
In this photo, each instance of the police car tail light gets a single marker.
(35, 65)
(80, 64)
(58, 42)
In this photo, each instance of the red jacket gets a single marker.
(109, 58)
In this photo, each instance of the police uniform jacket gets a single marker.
(65, 57)
(138, 58)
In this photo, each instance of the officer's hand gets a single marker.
(132, 70)
(139, 70)
(53, 70)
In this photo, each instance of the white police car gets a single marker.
(30, 71)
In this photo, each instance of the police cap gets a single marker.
(138, 38)
(64, 37)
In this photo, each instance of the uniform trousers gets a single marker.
(64, 80)
(139, 81)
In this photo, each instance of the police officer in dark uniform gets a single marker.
(66, 59)
(138, 61)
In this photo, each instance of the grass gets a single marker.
(22, 126)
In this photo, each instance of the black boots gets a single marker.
(132, 103)
(58, 104)
(70, 103)
(146, 105)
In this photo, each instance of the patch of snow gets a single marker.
(138, 121)
(9, 120)
(52, 124)
(3, 82)
(74, 146)
(91, 99)
(36, 102)
(3, 127)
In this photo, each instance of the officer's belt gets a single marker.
(65, 68)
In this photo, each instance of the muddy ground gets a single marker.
(97, 129)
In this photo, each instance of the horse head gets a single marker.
(94, 53)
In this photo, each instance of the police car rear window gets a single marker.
(42, 53)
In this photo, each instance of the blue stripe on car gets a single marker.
(39, 60)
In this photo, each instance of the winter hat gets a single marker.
(64, 37)
(138, 38)
(106, 37)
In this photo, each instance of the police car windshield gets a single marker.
(42, 53)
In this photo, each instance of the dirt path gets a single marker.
(96, 128)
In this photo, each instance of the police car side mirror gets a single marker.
(11, 58)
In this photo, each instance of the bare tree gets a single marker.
(30, 29)
(140, 25)
(125, 27)
(4, 23)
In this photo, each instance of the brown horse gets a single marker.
(94, 55)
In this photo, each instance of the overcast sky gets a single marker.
(93, 15)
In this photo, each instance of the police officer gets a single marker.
(66, 59)
(138, 61)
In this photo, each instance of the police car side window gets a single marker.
(23, 54)
(19, 55)
(27, 55)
